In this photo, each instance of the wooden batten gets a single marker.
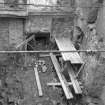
(58, 84)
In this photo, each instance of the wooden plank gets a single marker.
(64, 44)
(58, 84)
(54, 14)
(66, 89)
(38, 82)
(47, 55)
(80, 70)
(10, 13)
(74, 81)
(24, 42)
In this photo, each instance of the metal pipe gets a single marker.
(53, 51)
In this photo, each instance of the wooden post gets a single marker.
(38, 81)
(25, 62)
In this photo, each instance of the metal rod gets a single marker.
(52, 51)
(80, 70)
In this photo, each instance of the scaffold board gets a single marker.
(64, 44)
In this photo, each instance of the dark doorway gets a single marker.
(40, 41)
(42, 36)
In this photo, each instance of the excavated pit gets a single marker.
(17, 80)
(18, 84)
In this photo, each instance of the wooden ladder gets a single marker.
(63, 83)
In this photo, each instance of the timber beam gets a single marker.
(58, 84)
(38, 81)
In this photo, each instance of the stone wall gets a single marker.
(4, 33)
(11, 34)
(16, 28)
(38, 23)
(94, 71)
(62, 26)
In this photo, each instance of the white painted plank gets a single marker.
(38, 82)
(64, 44)
(66, 89)
(58, 84)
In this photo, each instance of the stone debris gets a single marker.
(44, 68)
